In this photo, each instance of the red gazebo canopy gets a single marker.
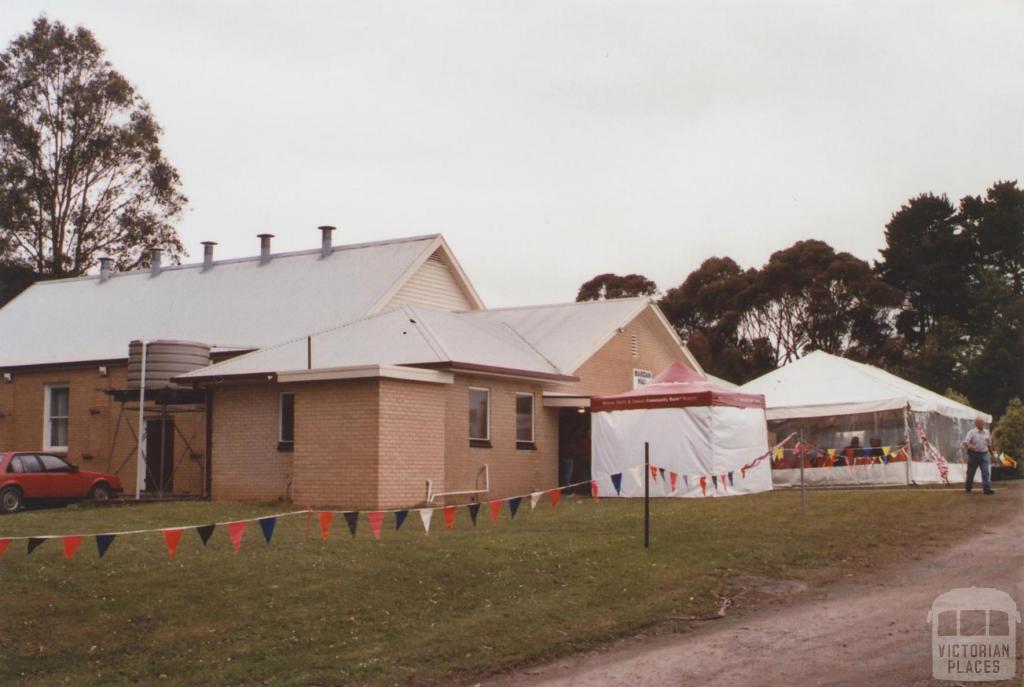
(676, 387)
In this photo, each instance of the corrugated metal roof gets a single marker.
(408, 335)
(567, 333)
(542, 340)
(236, 304)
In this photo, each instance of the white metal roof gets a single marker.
(821, 384)
(568, 333)
(544, 340)
(236, 304)
(409, 335)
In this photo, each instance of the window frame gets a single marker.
(48, 445)
(527, 444)
(485, 441)
(282, 443)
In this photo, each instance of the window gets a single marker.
(24, 463)
(55, 428)
(479, 417)
(524, 420)
(54, 464)
(286, 423)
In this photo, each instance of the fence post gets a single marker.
(647, 495)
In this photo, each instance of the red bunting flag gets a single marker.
(672, 479)
(703, 486)
(594, 494)
(495, 510)
(325, 523)
(71, 544)
(725, 484)
(376, 519)
(4, 543)
(554, 495)
(172, 537)
(654, 473)
(236, 530)
(449, 516)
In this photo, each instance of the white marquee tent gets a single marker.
(857, 424)
(704, 439)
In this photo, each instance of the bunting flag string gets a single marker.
(172, 536)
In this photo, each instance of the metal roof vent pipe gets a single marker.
(106, 267)
(325, 240)
(208, 254)
(154, 261)
(265, 247)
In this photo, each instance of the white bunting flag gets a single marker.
(535, 499)
(425, 515)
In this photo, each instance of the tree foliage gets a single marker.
(82, 174)
(605, 286)
(1009, 433)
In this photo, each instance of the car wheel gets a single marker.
(10, 500)
(101, 492)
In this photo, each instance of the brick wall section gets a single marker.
(513, 471)
(92, 424)
(610, 370)
(337, 438)
(246, 462)
(412, 441)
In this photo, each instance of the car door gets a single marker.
(61, 481)
(28, 474)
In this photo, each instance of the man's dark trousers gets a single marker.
(975, 460)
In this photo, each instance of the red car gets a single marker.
(28, 476)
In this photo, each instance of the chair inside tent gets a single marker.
(704, 440)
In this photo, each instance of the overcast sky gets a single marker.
(550, 141)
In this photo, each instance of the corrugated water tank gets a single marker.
(164, 361)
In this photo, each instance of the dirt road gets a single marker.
(868, 630)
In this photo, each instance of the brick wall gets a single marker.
(93, 424)
(610, 370)
(513, 471)
(412, 440)
(246, 462)
(337, 427)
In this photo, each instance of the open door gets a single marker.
(574, 447)
(160, 456)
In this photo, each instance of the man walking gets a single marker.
(978, 443)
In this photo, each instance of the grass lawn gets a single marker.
(413, 608)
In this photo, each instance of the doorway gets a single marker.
(160, 456)
(574, 448)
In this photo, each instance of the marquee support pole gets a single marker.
(647, 495)
(800, 456)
